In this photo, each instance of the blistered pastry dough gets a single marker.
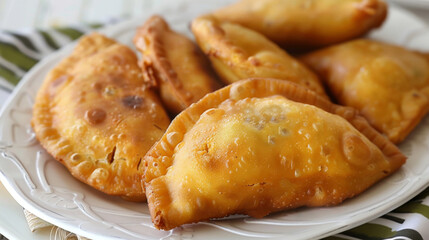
(387, 83)
(260, 146)
(175, 64)
(94, 114)
(307, 23)
(239, 53)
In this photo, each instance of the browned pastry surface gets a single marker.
(175, 64)
(238, 53)
(94, 114)
(259, 146)
(388, 84)
(307, 23)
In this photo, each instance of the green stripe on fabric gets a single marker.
(335, 238)
(414, 207)
(95, 25)
(8, 75)
(12, 54)
(70, 32)
(370, 231)
(25, 40)
(393, 218)
(409, 233)
(48, 39)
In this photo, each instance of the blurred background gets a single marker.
(24, 14)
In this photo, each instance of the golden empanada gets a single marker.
(94, 114)
(388, 84)
(175, 63)
(307, 23)
(259, 146)
(238, 53)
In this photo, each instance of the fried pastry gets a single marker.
(175, 64)
(259, 146)
(306, 23)
(94, 114)
(387, 83)
(238, 53)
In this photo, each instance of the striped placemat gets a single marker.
(20, 51)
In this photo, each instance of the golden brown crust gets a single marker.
(238, 53)
(387, 83)
(173, 63)
(194, 199)
(306, 23)
(94, 114)
(426, 55)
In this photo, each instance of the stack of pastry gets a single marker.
(270, 139)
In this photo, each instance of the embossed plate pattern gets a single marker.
(44, 187)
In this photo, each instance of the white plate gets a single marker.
(44, 187)
(12, 220)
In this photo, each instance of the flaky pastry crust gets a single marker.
(259, 146)
(94, 114)
(175, 64)
(238, 53)
(306, 23)
(388, 84)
